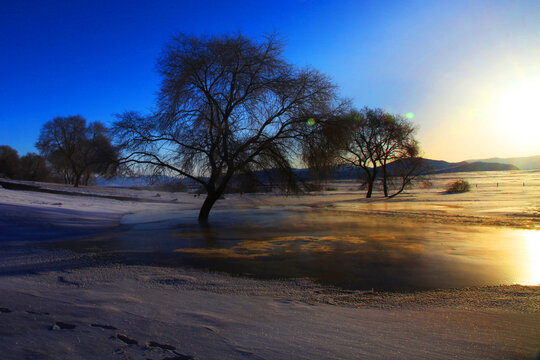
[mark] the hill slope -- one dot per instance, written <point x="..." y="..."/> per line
<point x="476" y="166"/>
<point x="349" y="172"/>
<point x="523" y="163"/>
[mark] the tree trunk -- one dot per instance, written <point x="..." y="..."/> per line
<point x="207" y="205"/>
<point x="399" y="191"/>
<point x="213" y="195"/>
<point x="77" y="180"/>
<point x="371" y="180"/>
<point x="385" y="180"/>
<point x="370" y="188"/>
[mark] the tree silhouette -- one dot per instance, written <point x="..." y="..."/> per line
<point x="397" y="145"/>
<point x="9" y="162"/>
<point x="228" y="105"/>
<point x="408" y="167"/>
<point x="362" y="145"/>
<point x="34" y="168"/>
<point x="369" y="139"/>
<point x="77" y="150"/>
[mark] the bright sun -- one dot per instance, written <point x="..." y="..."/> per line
<point x="518" y="113"/>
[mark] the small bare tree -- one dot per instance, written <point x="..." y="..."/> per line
<point x="362" y="144"/>
<point x="396" y="143"/>
<point x="228" y="105"/>
<point x="370" y="139"/>
<point x="406" y="169"/>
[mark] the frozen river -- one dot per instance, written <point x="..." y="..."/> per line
<point x="422" y="239"/>
<point x="334" y="247"/>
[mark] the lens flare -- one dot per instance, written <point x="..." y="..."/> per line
<point x="409" y="115"/>
<point x="311" y="121"/>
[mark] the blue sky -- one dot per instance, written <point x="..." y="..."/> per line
<point x="451" y="63"/>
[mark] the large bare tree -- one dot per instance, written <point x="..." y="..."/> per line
<point x="227" y="105"/>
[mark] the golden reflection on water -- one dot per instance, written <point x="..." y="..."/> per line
<point x="532" y="240"/>
<point x="344" y="244"/>
<point x="349" y="250"/>
<point x="282" y="244"/>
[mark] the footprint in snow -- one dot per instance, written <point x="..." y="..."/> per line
<point x="37" y="312"/>
<point x="63" y="280"/>
<point x="179" y="356"/>
<point x="59" y="325"/>
<point x="126" y="339"/>
<point x="107" y="327"/>
<point x="163" y="346"/>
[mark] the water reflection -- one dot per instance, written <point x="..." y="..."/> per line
<point x="342" y="249"/>
<point x="532" y="239"/>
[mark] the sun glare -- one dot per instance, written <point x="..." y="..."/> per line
<point x="518" y="113"/>
<point x="533" y="244"/>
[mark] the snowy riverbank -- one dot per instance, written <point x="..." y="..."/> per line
<point x="57" y="304"/>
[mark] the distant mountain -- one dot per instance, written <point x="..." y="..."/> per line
<point x="344" y="172"/>
<point x="475" y="166"/>
<point x="523" y="163"/>
<point x="135" y="181"/>
<point x="434" y="166"/>
<point x="440" y="166"/>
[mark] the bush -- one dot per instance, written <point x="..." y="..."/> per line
<point x="426" y="184"/>
<point x="458" y="186"/>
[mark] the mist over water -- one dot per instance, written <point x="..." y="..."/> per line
<point x="333" y="247"/>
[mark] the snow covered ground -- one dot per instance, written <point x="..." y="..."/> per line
<point x="57" y="304"/>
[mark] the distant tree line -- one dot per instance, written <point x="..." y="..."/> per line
<point x="71" y="152"/>
<point x="31" y="166"/>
